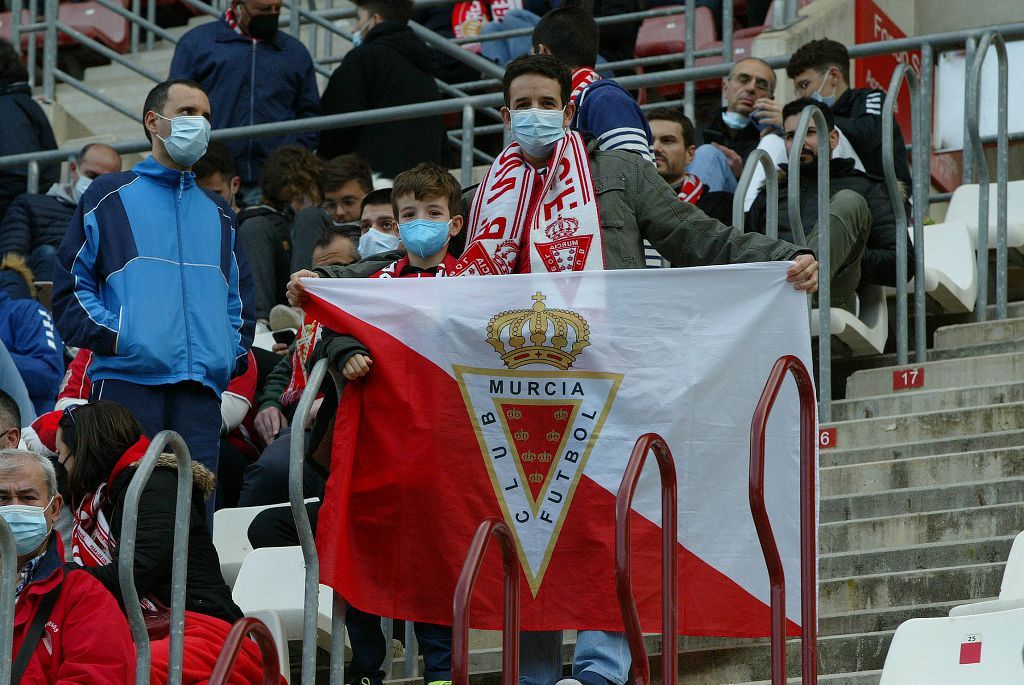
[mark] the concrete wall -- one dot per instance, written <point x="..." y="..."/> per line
<point x="940" y="16"/>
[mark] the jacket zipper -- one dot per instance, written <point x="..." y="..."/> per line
<point x="252" y="105"/>
<point x="181" y="269"/>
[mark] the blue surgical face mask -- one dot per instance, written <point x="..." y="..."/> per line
<point x="190" y="135"/>
<point x="374" y="242"/>
<point x="735" y="119"/>
<point x="537" y="130"/>
<point x="28" y="524"/>
<point x="81" y="184"/>
<point x="829" y="100"/>
<point x="423" y="237"/>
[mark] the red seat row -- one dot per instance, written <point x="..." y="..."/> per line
<point x="89" y="18"/>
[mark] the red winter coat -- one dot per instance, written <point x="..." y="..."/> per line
<point x="86" y="640"/>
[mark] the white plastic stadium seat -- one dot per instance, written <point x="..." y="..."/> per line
<point x="864" y="335"/>
<point x="963" y="207"/>
<point x="950" y="268"/>
<point x="231" y="537"/>
<point x="980" y="649"/>
<point x="276" y="627"/>
<point x="1011" y="592"/>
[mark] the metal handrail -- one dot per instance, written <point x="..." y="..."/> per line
<point x="8" y="583"/>
<point x="808" y="523"/>
<point x="179" y="563"/>
<point x="233" y="643"/>
<point x="1002" y="162"/>
<point x="669" y="559"/>
<point x="464" y="593"/>
<point x="151" y="27"/>
<point x="311" y="595"/>
<point x="809" y="114"/>
<point x="758" y="157"/>
<point x="904" y="72"/>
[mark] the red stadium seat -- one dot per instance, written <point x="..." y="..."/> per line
<point x="98" y="23"/>
<point x="667" y="35"/>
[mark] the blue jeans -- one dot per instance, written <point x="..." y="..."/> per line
<point x="712" y="168"/>
<point x="370" y="646"/>
<point x="600" y="657"/>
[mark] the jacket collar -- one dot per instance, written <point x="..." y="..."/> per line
<point x="48" y="571"/>
<point x="226" y="34"/>
<point x="155" y="171"/>
<point x="62" y="192"/>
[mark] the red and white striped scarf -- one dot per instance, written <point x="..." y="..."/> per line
<point x="563" y="232"/>
<point x="691" y="189"/>
<point x="304" y="345"/>
<point x="581" y="78"/>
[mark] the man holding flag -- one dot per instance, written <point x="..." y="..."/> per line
<point x="550" y="203"/>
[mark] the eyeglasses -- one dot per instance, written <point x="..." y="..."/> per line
<point x="759" y="83"/>
<point x="334" y="205"/>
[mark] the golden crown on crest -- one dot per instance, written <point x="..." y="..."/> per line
<point x="521" y="435"/>
<point x="538" y="336"/>
<point x="561" y="415"/>
<point x="536" y="478"/>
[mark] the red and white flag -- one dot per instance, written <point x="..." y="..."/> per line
<point x="521" y="397"/>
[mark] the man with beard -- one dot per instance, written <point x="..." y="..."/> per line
<point x="862" y="227"/>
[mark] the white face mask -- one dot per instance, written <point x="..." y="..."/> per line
<point x="190" y="135"/>
<point x="374" y="242"/>
<point x="28" y="525"/>
<point x="80" y="186"/>
<point x="735" y="119"/>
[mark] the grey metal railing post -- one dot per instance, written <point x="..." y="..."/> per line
<point x="778" y="14"/>
<point x="411" y="650"/>
<point x="134" y="28"/>
<point x="449" y="48"/>
<point x="812" y="113"/>
<point x="51" y="9"/>
<point x="33" y="61"/>
<point x="903" y="72"/>
<point x="32" y="178"/>
<point x="8" y="583"/>
<point x="151" y="18"/>
<point x="468" y="118"/>
<point x="690" y="88"/>
<point x="771" y="180"/>
<point x="294" y="17"/>
<point x="727" y="29"/>
<point x="126" y="556"/>
<point x="1002" y="156"/>
<point x="16" y="9"/>
<point x="967" y="157"/>
<point x="791" y="12"/>
<point x="922" y="174"/>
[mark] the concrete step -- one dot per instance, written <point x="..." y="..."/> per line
<point x="921" y="499"/>
<point x="846" y="456"/>
<point x="984" y="333"/>
<point x="889" y="430"/>
<point x="926" y="401"/>
<point x="914" y="557"/>
<point x="863" y="678"/>
<point x="950" y="373"/>
<point x="880" y="619"/>
<point x="976" y="350"/>
<point x="910" y="588"/>
<point x="891" y="532"/>
<point x="918" y="472"/>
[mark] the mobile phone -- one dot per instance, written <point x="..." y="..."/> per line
<point x="285" y="335"/>
<point x="710" y="136"/>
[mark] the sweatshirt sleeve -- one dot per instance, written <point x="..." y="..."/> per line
<point x="37" y="351"/>
<point x="615" y="119"/>
<point x="15" y="230"/>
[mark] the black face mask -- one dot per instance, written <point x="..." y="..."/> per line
<point x="264" y="26"/>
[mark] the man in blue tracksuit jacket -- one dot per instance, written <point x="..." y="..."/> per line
<point x="147" y="277"/>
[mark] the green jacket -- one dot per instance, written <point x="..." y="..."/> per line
<point x="635" y="204"/>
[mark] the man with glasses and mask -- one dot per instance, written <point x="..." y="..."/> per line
<point x="147" y="278"/>
<point x="67" y="626"/>
<point x="254" y="74"/>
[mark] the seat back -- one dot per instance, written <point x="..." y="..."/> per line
<point x="667" y="35"/>
<point x="963" y="207"/>
<point x="231" y="538"/>
<point x="98" y="23"/>
<point x="276" y="627"/>
<point x="1013" y="575"/>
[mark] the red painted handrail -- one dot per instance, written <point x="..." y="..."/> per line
<point x="808" y="529"/>
<point x="464" y="593"/>
<point x="669" y="559"/>
<point x="233" y="645"/>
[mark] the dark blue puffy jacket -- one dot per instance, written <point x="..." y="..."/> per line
<point x="23" y="128"/>
<point x="33" y="220"/>
<point x="27" y="331"/>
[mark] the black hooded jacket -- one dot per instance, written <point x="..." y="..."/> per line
<point x="23" y="128"/>
<point x="387" y="70"/>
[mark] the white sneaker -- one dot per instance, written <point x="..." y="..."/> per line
<point x="282" y="316"/>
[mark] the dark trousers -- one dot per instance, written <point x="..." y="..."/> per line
<point x="190" y="409"/>
<point x="266" y="479"/>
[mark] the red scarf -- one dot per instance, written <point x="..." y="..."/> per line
<point x="581" y="78"/>
<point x="691" y="189"/>
<point x="91" y="541"/>
<point x="395" y="269"/>
<point x="304" y="345"/>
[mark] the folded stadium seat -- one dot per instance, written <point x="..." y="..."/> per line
<point x="950" y="270"/>
<point x="273" y="578"/>
<point x="866" y="334"/>
<point x="980" y="649"/>
<point x="964" y="207"/>
<point x="667" y="36"/>
<point x="231" y="537"/>
<point x="273" y="623"/>
<point x="98" y="23"/>
<point x="1011" y="591"/>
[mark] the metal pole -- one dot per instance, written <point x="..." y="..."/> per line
<point x="791" y="12"/>
<point x="8" y="583"/>
<point x="771" y="180"/>
<point x="137" y="11"/>
<point x="96" y="95"/>
<point x="151" y="18"/>
<point x="467" y="146"/>
<point x="294" y="17"/>
<point x="449" y="48"/>
<point x="970" y="50"/>
<point x="922" y="159"/>
<point x="163" y="34"/>
<point x="727" y="28"/>
<point x="16" y="9"/>
<point x="411" y="650"/>
<point x="387" y="627"/>
<point x="179" y="563"/>
<point x="33" y="62"/>
<point x="49" y="48"/>
<point x="339" y="607"/>
<point x="690" y="89"/>
<point x="812" y="113"/>
<point x="903" y="72"/>
<point x="32" y="178"/>
<point x="778" y="15"/>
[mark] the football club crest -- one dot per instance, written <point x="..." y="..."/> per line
<point x="536" y="426"/>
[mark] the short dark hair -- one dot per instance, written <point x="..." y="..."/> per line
<point x="543" y="65"/>
<point x="678" y="116"/>
<point x="344" y="168"/>
<point x="291" y="172"/>
<point x="97" y="434"/>
<point x="10" y="414"/>
<point x="796" y="107"/>
<point x="157" y="98"/>
<point x="217" y="160"/>
<point x="11" y="68"/>
<point x="381" y="196"/>
<point x="333" y="233"/>
<point x="427" y="179"/>
<point x="571" y="34"/>
<point x="820" y="55"/>
<point x="389" y="10"/>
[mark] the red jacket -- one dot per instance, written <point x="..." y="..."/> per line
<point x="86" y="640"/>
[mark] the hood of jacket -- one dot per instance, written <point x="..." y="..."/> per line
<point x="400" y="38"/>
<point x="63" y="193"/>
<point x="203" y="479"/>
